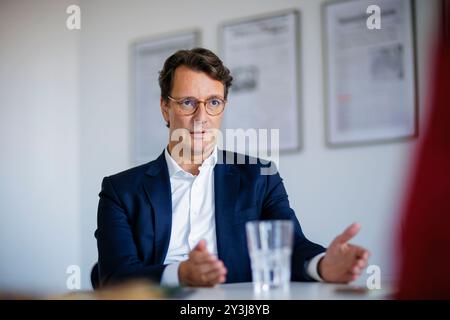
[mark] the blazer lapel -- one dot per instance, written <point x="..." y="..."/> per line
<point x="157" y="187"/>
<point x="226" y="187"/>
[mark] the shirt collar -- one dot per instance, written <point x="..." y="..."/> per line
<point x="174" y="168"/>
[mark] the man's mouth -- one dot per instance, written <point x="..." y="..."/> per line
<point x="198" y="134"/>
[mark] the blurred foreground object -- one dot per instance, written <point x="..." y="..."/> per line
<point x="425" y="235"/>
<point x="130" y="290"/>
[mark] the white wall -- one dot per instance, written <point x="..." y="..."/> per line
<point x="39" y="143"/>
<point x="59" y="140"/>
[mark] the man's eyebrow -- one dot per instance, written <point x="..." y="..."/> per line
<point x="214" y="96"/>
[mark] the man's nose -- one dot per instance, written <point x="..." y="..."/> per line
<point x="200" y="114"/>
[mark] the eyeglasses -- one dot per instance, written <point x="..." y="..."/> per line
<point x="189" y="105"/>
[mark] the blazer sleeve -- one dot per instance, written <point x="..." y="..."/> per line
<point x="117" y="254"/>
<point x="276" y="206"/>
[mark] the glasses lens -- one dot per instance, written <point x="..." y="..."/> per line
<point x="188" y="105"/>
<point x="215" y="106"/>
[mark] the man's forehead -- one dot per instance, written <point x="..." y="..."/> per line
<point x="186" y="71"/>
<point x="187" y="79"/>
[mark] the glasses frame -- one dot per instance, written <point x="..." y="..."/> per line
<point x="180" y="101"/>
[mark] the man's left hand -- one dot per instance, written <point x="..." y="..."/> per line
<point x="343" y="262"/>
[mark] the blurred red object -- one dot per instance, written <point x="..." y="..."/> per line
<point x="424" y="269"/>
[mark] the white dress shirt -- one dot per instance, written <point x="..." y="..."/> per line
<point x="193" y="216"/>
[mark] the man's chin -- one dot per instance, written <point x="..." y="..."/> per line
<point x="202" y="149"/>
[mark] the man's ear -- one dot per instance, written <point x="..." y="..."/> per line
<point x="164" y="109"/>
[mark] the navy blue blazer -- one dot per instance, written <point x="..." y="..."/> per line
<point x="135" y="219"/>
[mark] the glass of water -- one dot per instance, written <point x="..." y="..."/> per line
<point x="270" y="248"/>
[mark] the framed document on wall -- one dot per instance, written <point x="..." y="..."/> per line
<point x="148" y="56"/>
<point x="263" y="56"/>
<point x="370" y="73"/>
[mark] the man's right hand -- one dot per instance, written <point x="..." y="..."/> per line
<point x="202" y="269"/>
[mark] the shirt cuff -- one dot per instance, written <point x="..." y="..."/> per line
<point x="170" y="275"/>
<point x="311" y="268"/>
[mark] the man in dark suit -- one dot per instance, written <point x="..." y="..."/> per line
<point x="180" y="219"/>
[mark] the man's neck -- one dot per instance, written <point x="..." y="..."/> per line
<point x="192" y="162"/>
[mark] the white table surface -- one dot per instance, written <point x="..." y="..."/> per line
<point x="297" y="291"/>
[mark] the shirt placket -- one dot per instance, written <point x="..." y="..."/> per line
<point x="194" y="211"/>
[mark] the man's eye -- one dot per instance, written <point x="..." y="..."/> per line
<point x="214" y="102"/>
<point x="188" y="103"/>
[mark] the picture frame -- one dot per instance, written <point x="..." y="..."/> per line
<point x="147" y="58"/>
<point x="263" y="53"/>
<point x="370" y="79"/>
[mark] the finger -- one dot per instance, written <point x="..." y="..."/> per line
<point x="354" y="277"/>
<point x="201" y="246"/>
<point x="359" y="264"/>
<point x="208" y="267"/>
<point x="346" y="278"/>
<point x="200" y="257"/>
<point x="356" y="271"/>
<point x="215" y="281"/>
<point x="362" y="263"/>
<point x="206" y="257"/>
<point x="360" y="252"/>
<point x="214" y="277"/>
<point x="219" y="280"/>
<point x="212" y="258"/>
<point x="349" y="277"/>
<point x="365" y="254"/>
<point x="349" y="233"/>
